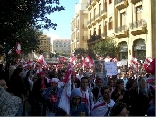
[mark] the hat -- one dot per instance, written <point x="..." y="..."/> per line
<point x="75" y="92"/>
<point x="9" y="104"/>
<point x="54" y="80"/>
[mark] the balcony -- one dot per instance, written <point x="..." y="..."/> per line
<point x="94" y="21"/>
<point x="139" y="27"/>
<point x="121" y="32"/>
<point x="103" y="14"/>
<point x="89" y="6"/>
<point x="121" y="4"/>
<point x="97" y="17"/>
<point x="135" y="1"/>
<point x="93" y="2"/>
<point x="104" y="34"/>
<point x="85" y="38"/>
<point x="93" y="39"/>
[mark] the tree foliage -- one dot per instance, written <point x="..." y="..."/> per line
<point x="17" y="16"/>
<point x="80" y="51"/>
<point x="106" y="47"/>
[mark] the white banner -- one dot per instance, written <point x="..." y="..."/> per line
<point x="111" y="68"/>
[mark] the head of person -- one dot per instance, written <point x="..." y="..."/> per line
<point x="80" y="71"/>
<point x="119" y="84"/>
<point x="41" y="75"/>
<point x="9" y="104"/>
<point x="106" y="93"/>
<point x="111" y="83"/>
<point x="3" y="84"/>
<point x="99" y="82"/>
<point x="119" y="109"/>
<point x="54" y="82"/>
<point x="124" y="75"/>
<point x="18" y="72"/>
<point x="76" y="96"/>
<point x="84" y="82"/>
<point x="142" y="83"/>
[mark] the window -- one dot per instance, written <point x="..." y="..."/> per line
<point x="105" y="27"/>
<point x="94" y="30"/>
<point x="110" y="1"/>
<point x="94" y="13"/>
<point x="99" y="9"/>
<point x="99" y="31"/>
<point x="90" y="32"/>
<point x="90" y="16"/>
<point x="122" y="19"/>
<point x="110" y="24"/>
<point x="138" y="13"/>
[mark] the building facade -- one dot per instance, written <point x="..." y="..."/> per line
<point x="79" y="28"/>
<point x="131" y="23"/>
<point x="45" y="45"/>
<point x="62" y="46"/>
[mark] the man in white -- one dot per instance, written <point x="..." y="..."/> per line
<point x="125" y="79"/>
<point x="87" y="95"/>
<point x="104" y="105"/>
<point x="80" y="74"/>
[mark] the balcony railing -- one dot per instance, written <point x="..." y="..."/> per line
<point x="138" y="27"/>
<point x="120" y="29"/>
<point x="97" y="15"/>
<point x="94" y="38"/>
<point x="137" y="24"/>
<point x="104" y="34"/>
<point x="103" y="11"/>
<point x="118" y="1"/>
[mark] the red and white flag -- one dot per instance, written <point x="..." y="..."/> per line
<point x="18" y="48"/>
<point x="65" y="97"/>
<point x="84" y="62"/>
<point x="73" y="60"/>
<point x="101" y="108"/>
<point x="90" y="61"/>
<point x="115" y="60"/>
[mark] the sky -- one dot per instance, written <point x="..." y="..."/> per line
<point x="63" y="21"/>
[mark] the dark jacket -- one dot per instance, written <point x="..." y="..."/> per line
<point x="17" y="86"/>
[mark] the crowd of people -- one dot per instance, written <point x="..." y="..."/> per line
<point x="29" y="93"/>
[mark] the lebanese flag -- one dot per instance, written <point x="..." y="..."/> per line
<point x="40" y="59"/>
<point x="18" y="48"/>
<point x="101" y="108"/>
<point x="65" y="97"/>
<point x="115" y="60"/>
<point x="73" y="60"/>
<point x="84" y="62"/>
<point x="90" y="61"/>
<point x="39" y="69"/>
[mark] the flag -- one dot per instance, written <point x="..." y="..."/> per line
<point x="101" y="108"/>
<point x="65" y="97"/>
<point x="115" y="60"/>
<point x="90" y="61"/>
<point x="41" y="59"/>
<point x="18" y="48"/>
<point x="35" y="56"/>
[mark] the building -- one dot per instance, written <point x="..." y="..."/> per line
<point x="62" y="46"/>
<point x="131" y="23"/>
<point x="79" y="28"/>
<point x="45" y="45"/>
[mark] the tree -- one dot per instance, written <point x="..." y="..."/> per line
<point x="80" y="51"/>
<point x="19" y="14"/>
<point x="106" y="47"/>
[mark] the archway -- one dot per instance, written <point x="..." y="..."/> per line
<point x="123" y="52"/>
<point x="139" y="49"/>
